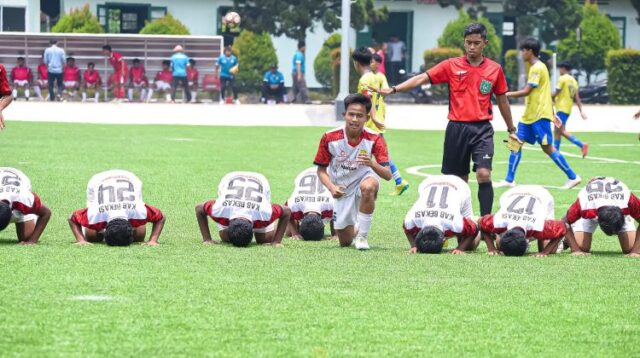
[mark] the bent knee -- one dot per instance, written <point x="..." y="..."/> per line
<point x="369" y="187"/>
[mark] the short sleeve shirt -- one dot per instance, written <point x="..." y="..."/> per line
<point x="298" y="58"/>
<point x="226" y="64"/>
<point x="273" y="78"/>
<point x="538" y="104"/>
<point x="566" y="92"/>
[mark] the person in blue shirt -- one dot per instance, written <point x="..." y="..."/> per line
<point x="54" y="58"/>
<point x="273" y="85"/>
<point x="179" y="63"/>
<point x="299" y="81"/>
<point x="227" y="67"/>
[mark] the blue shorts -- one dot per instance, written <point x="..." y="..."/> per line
<point x="564" y="117"/>
<point x="537" y="132"/>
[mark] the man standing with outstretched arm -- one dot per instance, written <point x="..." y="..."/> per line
<point x="472" y="80"/>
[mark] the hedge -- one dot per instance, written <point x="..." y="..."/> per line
<point x="166" y="25"/>
<point x="353" y="76"/>
<point x="322" y="64"/>
<point x="255" y="54"/>
<point x="624" y="76"/>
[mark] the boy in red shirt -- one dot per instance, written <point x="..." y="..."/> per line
<point x="5" y="94"/>
<point x="42" y="81"/>
<point x="71" y="78"/>
<point x="138" y="80"/>
<point x="192" y="79"/>
<point x="162" y="81"/>
<point x="92" y="80"/>
<point x="21" y="78"/>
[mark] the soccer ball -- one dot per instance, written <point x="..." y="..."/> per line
<point x="232" y="19"/>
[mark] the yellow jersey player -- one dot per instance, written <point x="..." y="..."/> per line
<point x="535" y="125"/>
<point x="565" y="94"/>
<point x="369" y="85"/>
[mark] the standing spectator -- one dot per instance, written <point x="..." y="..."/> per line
<point x="227" y="66"/>
<point x="397" y="52"/>
<point x="21" y="77"/>
<point x="299" y="82"/>
<point x="5" y="94"/>
<point x="179" y="64"/>
<point x="119" y="68"/>
<point x="54" y="58"/>
<point x="383" y="56"/>
<point x="43" y="79"/>
<point x="192" y="79"/>
<point x="273" y="85"/>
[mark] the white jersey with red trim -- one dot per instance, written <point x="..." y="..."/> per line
<point x="115" y="194"/>
<point x="526" y="207"/>
<point x="15" y="187"/>
<point x="443" y="202"/>
<point x="243" y="195"/>
<point x="604" y="191"/>
<point x="309" y="194"/>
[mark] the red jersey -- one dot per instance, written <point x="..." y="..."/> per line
<point x="91" y="77"/>
<point x="165" y="76"/>
<point x="192" y="74"/>
<point x="553" y="229"/>
<point x="5" y="89"/>
<point x="43" y="71"/>
<point x="470" y="87"/>
<point x="21" y="73"/>
<point x="138" y="74"/>
<point x="276" y="213"/>
<point x="117" y="61"/>
<point x="601" y="192"/>
<point x="70" y="74"/>
<point x="81" y="217"/>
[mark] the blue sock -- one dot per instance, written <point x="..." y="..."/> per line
<point x="556" y="143"/>
<point x="395" y="173"/>
<point x="562" y="164"/>
<point x="514" y="160"/>
<point x="576" y="141"/>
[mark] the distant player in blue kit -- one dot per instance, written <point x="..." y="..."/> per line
<point x="565" y="94"/>
<point x="535" y="124"/>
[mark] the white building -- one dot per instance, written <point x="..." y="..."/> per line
<point x="417" y="22"/>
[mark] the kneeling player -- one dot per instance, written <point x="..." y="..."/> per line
<point x="243" y="208"/>
<point x="347" y="170"/>
<point x="608" y="203"/>
<point x="443" y="210"/>
<point x="526" y="213"/>
<point x="311" y="207"/>
<point x="115" y="212"/>
<point x="20" y="205"/>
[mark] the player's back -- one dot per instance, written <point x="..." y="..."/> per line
<point x="113" y="186"/>
<point x="568" y="87"/>
<point x="14" y="177"/>
<point x="310" y="192"/>
<point x="604" y="191"/>
<point x="243" y="194"/>
<point x="527" y="199"/>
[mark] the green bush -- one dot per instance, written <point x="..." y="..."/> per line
<point x="79" y="20"/>
<point x="354" y="77"/>
<point x="434" y="56"/>
<point x="166" y="25"/>
<point x="322" y="63"/>
<point x="453" y="35"/>
<point x="255" y="54"/>
<point x="622" y="69"/>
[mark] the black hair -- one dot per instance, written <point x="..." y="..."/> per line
<point x="377" y="58"/>
<point x="119" y="232"/>
<point x="476" y="28"/>
<point x="430" y="240"/>
<point x="565" y="64"/>
<point x="312" y="228"/>
<point x="166" y="63"/>
<point x="106" y="47"/>
<point x="610" y="219"/>
<point x="531" y="44"/>
<point x="70" y="58"/>
<point x="362" y="56"/>
<point x="513" y="242"/>
<point x="20" y="58"/>
<point x="192" y="61"/>
<point x="301" y="44"/>
<point x="240" y="232"/>
<point x="357" y="98"/>
<point x="5" y="215"/>
<point x="91" y="64"/>
<point x="53" y="42"/>
<point x="136" y="60"/>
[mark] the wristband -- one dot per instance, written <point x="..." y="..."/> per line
<point x="394" y="89"/>
<point x="512" y="130"/>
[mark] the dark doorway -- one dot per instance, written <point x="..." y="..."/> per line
<point x="13" y="18"/>
<point x="126" y="18"/>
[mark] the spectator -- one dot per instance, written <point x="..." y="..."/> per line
<point x="119" y="68"/>
<point x="179" y="64"/>
<point x="91" y="80"/>
<point x="299" y="82"/>
<point x="54" y="58"/>
<point x="138" y="80"/>
<point x="397" y="52"/>
<point x="273" y="85"/>
<point x="162" y="81"/>
<point x="21" y="77"/>
<point x="382" y="53"/>
<point x="5" y="94"/>
<point x="192" y="79"/>
<point x="71" y="78"/>
<point x="227" y="66"/>
<point x="43" y="79"/>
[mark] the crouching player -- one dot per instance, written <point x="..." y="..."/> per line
<point x="443" y="210"/>
<point x="115" y="212"/>
<point x="20" y="205"/>
<point x="243" y="208"/>
<point x="311" y="207"/>
<point x="608" y="203"/>
<point x="526" y="213"/>
<point x="347" y="170"/>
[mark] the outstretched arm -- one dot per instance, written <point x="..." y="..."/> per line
<point x="413" y="82"/>
<point x="201" y="216"/>
<point x="579" y="104"/>
<point x="44" y="214"/>
<point x="293" y="228"/>
<point x="521" y="93"/>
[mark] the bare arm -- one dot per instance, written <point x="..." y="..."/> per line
<point x="336" y="192"/>
<point x="156" y="230"/>
<point x="201" y="216"/>
<point x="413" y="82"/>
<point x="293" y="228"/>
<point x="505" y="110"/>
<point x="463" y="245"/>
<point x="491" y="246"/>
<point x="383" y="171"/>
<point x="283" y="221"/>
<point x="635" y="250"/>
<point x="4" y="103"/>
<point x="550" y="248"/>
<point x="571" y="239"/>
<point x="76" y="229"/>
<point x="521" y="93"/>
<point x="44" y="214"/>
<point x="579" y="104"/>
<point x="412" y="242"/>
<point x="299" y="71"/>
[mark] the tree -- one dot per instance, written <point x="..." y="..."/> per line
<point x="452" y="35"/>
<point x="255" y="54"/>
<point x="598" y="36"/>
<point x="166" y="25"/>
<point x="322" y="65"/>
<point x="294" y="18"/>
<point x="79" y="20"/>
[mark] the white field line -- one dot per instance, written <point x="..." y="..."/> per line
<point x="91" y="298"/>
<point x="618" y="145"/>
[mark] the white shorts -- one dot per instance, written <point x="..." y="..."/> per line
<point x="162" y="86"/>
<point x="19" y="217"/>
<point x="190" y="83"/>
<point x="70" y="84"/>
<point x="590" y="225"/>
<point x="21" y="83"/>
<point x="345" y="209"/>
<point x="139" y="84"/>
<point x="264" y="230"/>
<point x="42" y="83"/>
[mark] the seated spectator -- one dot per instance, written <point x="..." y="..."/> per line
<point x="42" y="81"/>
<point x="71" y="78"/>
<point x="92" y="81"/>
<point x="162" y="81"/>
<point x="273" y="85"/>
<point x="138" y="80"/>
<point x="21" y="78"/>
<point x="192" y="79"/>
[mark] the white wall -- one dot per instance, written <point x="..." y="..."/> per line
<point x="623" y="8"/>
<point x="32" y="21"/>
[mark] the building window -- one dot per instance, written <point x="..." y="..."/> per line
<point x="13" y="18"/>
<point x="621" y="24"/>
<point x="119" y="18"/>
<point x="158" y="12"/>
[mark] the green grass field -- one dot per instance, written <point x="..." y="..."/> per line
<point x="183" y="298"/>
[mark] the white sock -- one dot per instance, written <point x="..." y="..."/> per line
<point x="143" y="93"/>
<point x="130" y="94"/>
<point x="36" y="90"/>
<point x="168" y="97"/>
<point x="14" y="93"/>
<point x="84" y="96"/>
<point x="150" y="95"/>
<point x="194" y="96"/>
<point x="364" y="223"/>
<point x="27" y="93"/>
<point x="97" y="96"/>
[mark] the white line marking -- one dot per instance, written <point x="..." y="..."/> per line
<point x="91" y="298"/>
<point x="608" y="160"/>
<point x="181" y="139"/>
<point x="619" y="145"/>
